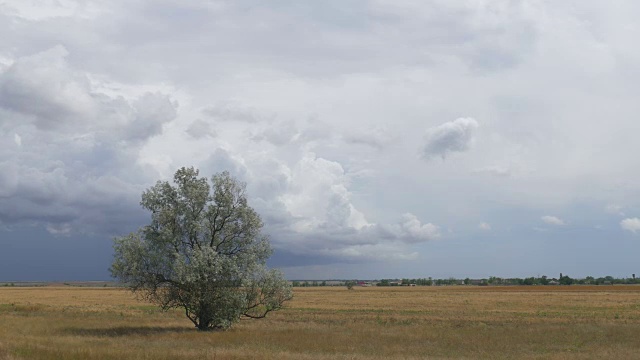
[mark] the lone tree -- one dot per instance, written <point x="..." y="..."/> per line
<point x="202" y="252"/>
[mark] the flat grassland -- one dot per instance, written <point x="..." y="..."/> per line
<point x="552" y="322"/>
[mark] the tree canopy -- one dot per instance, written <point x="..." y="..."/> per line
<point x="203" y="251"/>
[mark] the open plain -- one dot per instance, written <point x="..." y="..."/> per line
<point x="551" y="322"/>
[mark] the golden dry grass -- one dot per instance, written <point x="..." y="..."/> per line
<point x="574" y="322"/>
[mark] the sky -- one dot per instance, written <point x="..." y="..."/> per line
<point x="377" y="138"/>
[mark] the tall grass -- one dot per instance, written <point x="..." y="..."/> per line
<point x="575" y="322"/>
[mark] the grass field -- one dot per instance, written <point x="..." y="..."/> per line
<point x="575" y="322"/>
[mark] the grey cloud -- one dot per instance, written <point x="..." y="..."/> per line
<point x="8" y="177"/>
<point x="45" y="90"/>
<point x="220" y="160"/>
<point x="269" y="180"/>
<point x="345" y="245"/>
<point x="316" y="129"/>
<point x="59" y="229"/>
<point x="278" y="134"/>
<point x="43" y="86"/>
<point x="337" y="39"/>
<point x="265" y="41"/>
<point x="282" y="257"/>
<point x="495" y="170"/>
<point x="232" y="111"/>
<point x="485" y="37"/>
<point x="63" y="200"/>
<point x="74" y="168"/>
<point x="200" y="129"/>
<point x="377" y="137"/>
<point x="151" y="112"/>
<point x="452" y="136"/>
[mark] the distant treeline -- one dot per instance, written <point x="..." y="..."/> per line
<point x="493" y="280"/>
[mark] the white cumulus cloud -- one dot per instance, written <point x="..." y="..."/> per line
<point x="452" y="136"/>
<point x="484" y="226"/>
<point x="630" y="224"/>
<point x="417" y="231"/>
<point x="553" y="220"/>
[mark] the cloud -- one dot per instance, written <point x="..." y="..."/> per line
<point x="614" y="209"/>
<point x="200" y="129"/>
<point x="452" y="136"/>
<point x="44" y="90"/>
<point x="318" y="195"/>
<point x="59" y="229"/>
<point x="309" y="210"/>
<point x="232" y="111"/>
<point x="278" y="134"/>
<point x="76" y="165"/>
<point x="495" y="170"/>
<point x="99" y="121"/>
<point x="374" y="242"/>
<point x="43" y="86"/>
<point x="377" y="138"/>
<point x="221" y="160"/>
<point x="484" y="226"/>
<point x="552" y="220"/>
<point x="630" y="224"/>
<point x="415" y="231"/>
<point x="476" y="33"/>
<point x="151" y="112"/>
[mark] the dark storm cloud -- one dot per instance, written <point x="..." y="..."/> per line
<point x="74" y="168"/>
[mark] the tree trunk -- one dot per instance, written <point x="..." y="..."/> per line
<point x="203" y="325"/>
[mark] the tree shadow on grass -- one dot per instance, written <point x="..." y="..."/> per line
<point x="127" y="331"/>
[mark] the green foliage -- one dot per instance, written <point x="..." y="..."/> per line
<point x="542" y="280"/>
<point x="202" y="252"/>
<point x="565" y="280"/>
